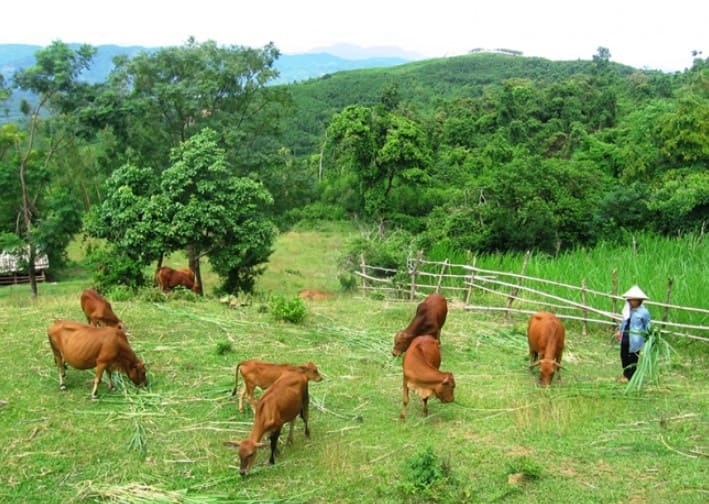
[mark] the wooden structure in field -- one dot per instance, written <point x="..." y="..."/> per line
<point x="497" y="291"/>
<point x="13" y="268"/>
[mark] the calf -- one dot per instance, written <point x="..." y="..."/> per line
<point x="281" y="403"/>
<point x="98" y="310"/>
<point x="86" y="347"/>
<point x="429" y="319"/>
<point x="545" y="335"/>
<point x="168" y="278"/>
<point x="263" y="374"/>
<point x="422" y="376"/>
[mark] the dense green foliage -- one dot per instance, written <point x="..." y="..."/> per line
<point x="483" y="152"/>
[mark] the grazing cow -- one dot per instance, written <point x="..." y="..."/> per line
<point x="314" y="295"/>
<point x="422" y="376"/>
<point x="168" y="278"/>
<point x="263" y="374"/>
<point x="429" y="319"/>
<point x="98" y="310"/>
<point x="281" y="403"/>
<point x="545" y="335"/>
<point x="85" y="347"/>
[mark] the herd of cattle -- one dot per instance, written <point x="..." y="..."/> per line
<point x="102" y="344"/>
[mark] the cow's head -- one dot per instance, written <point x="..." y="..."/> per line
<point x="444" y="391"/>
<point x="311" y="371"/>
<point x="401" y="343"/>
<point x="547" y="368"/>
<point x="136" y="372"/>
<point x="247" y="453"/>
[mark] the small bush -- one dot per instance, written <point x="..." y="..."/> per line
<point x="121" y="293"/>
<point x="289" y="310"/>
<point x="224" y="347"/>
<point x="348" y="281"/>
<point x="428" y="477"/>
<point x="527" y="468"/>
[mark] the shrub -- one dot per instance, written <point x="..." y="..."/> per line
<point x="289" y="310"/>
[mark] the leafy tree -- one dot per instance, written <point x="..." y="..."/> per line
<point x="198" y="204"/>
<point x="54" y="80"/>
<point x="380" y="151"/>
<point x="156" y="100"/>
<point x="215" y="213"/>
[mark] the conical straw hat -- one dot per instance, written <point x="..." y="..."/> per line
<point x="635" y="292"/>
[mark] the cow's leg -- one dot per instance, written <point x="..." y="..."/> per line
<point x="97" y="380"/>
<point x="304" y="412"/>
<point x="109" y="374"/>
<point x="274" y="445"/>
<point x="425" y="406"/>
<point x="402" y="416"/>
<point x="250" y="395"/>
<point x="61" y="365"/>
<point x="533" y="356"/>
<point x="289" y="441"/>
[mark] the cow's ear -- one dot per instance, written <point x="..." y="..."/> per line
<point x="536" y="363"/>
<point x="261" y="445"/>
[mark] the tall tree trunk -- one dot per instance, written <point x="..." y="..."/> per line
<point x="194" y="266"/>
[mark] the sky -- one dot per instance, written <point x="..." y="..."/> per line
<point x="652" y="34"/>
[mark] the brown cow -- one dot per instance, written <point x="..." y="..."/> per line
<point x="429" y="319"/>
<point x="422" y="376"/>
<point x="98" y="310"/>
<point x="281" y="403"/>
<point x="168" y="278"/>
<point x="545" y="335"/>
<point x="85" y="347"/>
<point x="263" y="375"/>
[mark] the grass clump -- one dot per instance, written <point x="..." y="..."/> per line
<point x="288" y="310"/>
<point x="426" y="476"/>
<point x="655" y="349"/>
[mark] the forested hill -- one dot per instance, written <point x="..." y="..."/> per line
<point x="291" y="67"/>
<point x="422" y="85"/>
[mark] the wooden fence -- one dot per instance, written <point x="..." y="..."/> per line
<point x="497" y="291"/>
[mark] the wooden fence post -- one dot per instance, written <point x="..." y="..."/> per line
<point x="414" y="272"/>
<point x="363" y="268"/>
<point x="515" y="291"/>
<point x="584" y="329"/>
<point x="440" y="276"/>
<point x="472" y="279"/>
<point x="665" y="315"/>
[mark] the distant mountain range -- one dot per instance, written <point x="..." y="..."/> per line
<point x="292" y="67"/>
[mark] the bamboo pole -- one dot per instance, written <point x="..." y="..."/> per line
<point x="614" y="292"/>
<point x="665" y="315"/>
<point x="363" y="268"/>
<point x="515" y="291"/>
<point x="584" y="311"/>
<point x="471" y="285"/>
<point x="440" y="276"/>
<point x="414" y="271"/>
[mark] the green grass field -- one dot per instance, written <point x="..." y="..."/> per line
<point x="502" y="439"/>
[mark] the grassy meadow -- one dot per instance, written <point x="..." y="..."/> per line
<point x="502" y="440"/>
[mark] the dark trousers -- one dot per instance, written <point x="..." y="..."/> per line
<point x="627" y="358"/>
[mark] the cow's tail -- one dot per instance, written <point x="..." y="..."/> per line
<point x="236" y="380"/>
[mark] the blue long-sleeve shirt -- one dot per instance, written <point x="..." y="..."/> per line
<point x="639" y="325"/>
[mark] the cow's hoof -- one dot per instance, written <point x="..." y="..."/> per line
<point x="62" y="388"/>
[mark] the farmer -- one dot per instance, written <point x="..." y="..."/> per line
<point x="633" y="330"/>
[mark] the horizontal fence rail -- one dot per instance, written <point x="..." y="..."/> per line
<point x="499" y="290"/>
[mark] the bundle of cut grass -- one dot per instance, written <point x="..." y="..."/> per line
<point x="654" y="349"/>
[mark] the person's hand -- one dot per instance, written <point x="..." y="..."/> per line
<point x="618" y="335"/>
